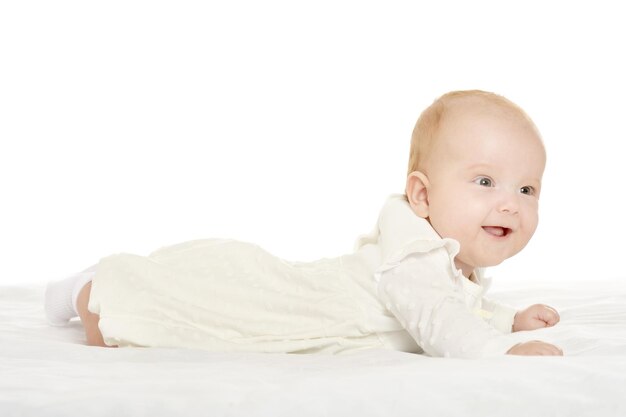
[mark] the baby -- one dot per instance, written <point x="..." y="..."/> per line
<point x="414" y="284"/>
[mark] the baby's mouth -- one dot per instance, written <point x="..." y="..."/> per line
<point x="497" y="230"/>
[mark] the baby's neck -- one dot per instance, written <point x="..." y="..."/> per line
<point x="466" y="270"/>
<point x="472" y="277"/>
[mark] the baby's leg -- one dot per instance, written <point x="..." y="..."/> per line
<point x="89" y="319"/>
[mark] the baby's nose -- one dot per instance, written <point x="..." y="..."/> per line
<point x="509" y="204"/>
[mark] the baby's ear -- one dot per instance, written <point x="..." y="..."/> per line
<point x="417" y="192"/>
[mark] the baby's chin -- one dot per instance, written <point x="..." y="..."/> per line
<point x="490" y="264"/>
<point x="482" y="263"/>
<point x="477" y="259"/>
<point x="501" y="256"/>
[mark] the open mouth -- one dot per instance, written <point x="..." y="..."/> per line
<point x="497" y="231"/>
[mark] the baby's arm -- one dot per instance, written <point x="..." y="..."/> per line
<point x="420" y="292"/>
<point x="432" y="310"/>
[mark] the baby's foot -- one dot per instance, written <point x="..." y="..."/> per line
<point x="60" y="298"/>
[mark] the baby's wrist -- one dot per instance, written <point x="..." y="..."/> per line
<point x="513" y="330"/>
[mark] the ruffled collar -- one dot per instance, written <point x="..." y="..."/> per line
<point x="399" y="232"/>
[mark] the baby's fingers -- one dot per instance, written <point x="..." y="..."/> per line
<point x="547" y="349"/>
<point x="550" y="316"/>
<point x="535" y="348"/>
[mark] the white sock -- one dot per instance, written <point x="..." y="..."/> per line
<point x="61" y="296"/>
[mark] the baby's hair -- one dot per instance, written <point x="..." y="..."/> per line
<point x="427" y="126"/>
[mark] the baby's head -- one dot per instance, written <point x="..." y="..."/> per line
<point x="475" y="173"/>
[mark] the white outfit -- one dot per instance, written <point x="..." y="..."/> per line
<point x="399" y="289"/>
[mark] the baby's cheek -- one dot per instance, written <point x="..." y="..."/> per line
<point x="529" y="223"/>
<point x="530" y="211"/>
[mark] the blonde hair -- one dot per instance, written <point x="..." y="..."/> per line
<point x="427" y="126"/>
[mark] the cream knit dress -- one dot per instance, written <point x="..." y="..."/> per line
<point x="398" y="290"/>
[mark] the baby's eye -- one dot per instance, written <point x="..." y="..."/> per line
<point x="484" y="181"/>
<point x="527" y="190"/>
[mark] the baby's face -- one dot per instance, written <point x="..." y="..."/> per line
<point x="485" y="178"/>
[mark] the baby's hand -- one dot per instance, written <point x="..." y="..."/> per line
<point x="534" y="317"/>
<point x="535" y="348"/>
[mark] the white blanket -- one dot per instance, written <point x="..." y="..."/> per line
<point x="48" y="371"/>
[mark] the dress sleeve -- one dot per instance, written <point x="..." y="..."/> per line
<point x="502" y="316"/>
<point x="422" y="295"/>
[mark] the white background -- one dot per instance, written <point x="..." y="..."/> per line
<point x="127" y="126"/>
